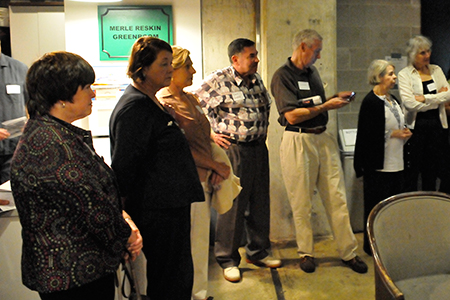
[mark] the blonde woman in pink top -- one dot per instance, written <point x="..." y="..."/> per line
<point x="186" y="110"/>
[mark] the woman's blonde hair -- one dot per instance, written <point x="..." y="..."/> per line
<point x="377" y="69"/>
<point x="180" y="55"/>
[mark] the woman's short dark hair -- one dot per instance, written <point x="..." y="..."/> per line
<point x="237" y="46"/>
<point x="143" y="54"/>
<point x="56" y="76"/>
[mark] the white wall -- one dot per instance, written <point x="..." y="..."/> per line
<point x="36" y="30"/>
<point x="82" y="37"/>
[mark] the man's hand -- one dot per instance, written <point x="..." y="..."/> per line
<point x="335" y="103"/>
<point x="221" y="139"/>
<point x="4" y="134"/>
<point x="344" y="94"/>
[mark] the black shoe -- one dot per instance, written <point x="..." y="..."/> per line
<point x="356" y="264"/>
<point x="307" y="264"/>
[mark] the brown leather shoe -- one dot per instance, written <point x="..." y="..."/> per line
<point x="307" y="264"/>
<point x="356" y="264"/>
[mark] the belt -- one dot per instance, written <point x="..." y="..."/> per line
<point x="316" y="130"/>
<point x="250" y="143"/>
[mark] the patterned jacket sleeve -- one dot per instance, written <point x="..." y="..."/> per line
<point x="69" y="209"/>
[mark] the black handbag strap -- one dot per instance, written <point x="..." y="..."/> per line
<point x="128" y="274"/>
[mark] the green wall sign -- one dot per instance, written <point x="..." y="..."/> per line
<point x="121" y="26"/>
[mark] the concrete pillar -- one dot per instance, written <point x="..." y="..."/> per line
<point x="222" y="22"/>
<point x="280" y="21"/>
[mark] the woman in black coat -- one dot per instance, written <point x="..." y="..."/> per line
<point x="155" y="170"/>
<point x="379" y="141"/>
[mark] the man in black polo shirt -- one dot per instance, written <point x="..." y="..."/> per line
<point x="309" y="154"/>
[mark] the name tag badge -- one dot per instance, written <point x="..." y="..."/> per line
<point x="238" y="96"/>
<point x="304" y="85"/>
<point x="432" y="87"/>
<point x="12" y="89"/>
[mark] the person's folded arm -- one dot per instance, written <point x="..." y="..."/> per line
<point x="442" y="86"/>
<point x="409" y="98"/>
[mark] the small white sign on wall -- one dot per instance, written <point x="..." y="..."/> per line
<point x="399" y="62"/>
<point x="347" y="139"/>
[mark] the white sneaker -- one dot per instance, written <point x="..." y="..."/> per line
<point x="232" y="274"/>
<point x="267" y="262"/>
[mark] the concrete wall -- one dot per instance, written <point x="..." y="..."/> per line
<point x="280" y="21"/>
<point x="368" y="30"/>
<point x="222" y="22"/>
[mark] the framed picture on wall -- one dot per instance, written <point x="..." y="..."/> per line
<point x="121" y="26"/>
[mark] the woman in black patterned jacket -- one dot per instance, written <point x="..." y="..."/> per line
<point x="74" y="230"/>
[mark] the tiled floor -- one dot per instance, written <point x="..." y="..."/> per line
<point x="331" y="280"/>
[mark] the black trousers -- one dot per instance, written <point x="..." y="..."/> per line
<point x="102" y="288"/>
<point x="250" y="210"/>
<point x="427" y="153"/>
<point x="167" y="247"/>
<point x="377" y="187"/>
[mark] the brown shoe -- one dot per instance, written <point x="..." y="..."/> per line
<point x="307" y="264"/>
<point x="356" y="264"/>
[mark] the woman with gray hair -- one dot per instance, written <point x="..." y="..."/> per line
<point x="424" y="92"/>
<point x="379" y="141"/>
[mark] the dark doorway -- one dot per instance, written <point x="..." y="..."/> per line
<point x="6" y="40"/>
<point x="435" y="18"/>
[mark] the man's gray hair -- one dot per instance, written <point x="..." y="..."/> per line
<point x="307" y="36"/>
<point x="417" y="44"/>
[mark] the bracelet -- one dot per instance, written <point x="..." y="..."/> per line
<point x="126" y="219"/>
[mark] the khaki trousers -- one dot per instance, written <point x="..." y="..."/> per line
<point x="309" y="161"/>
